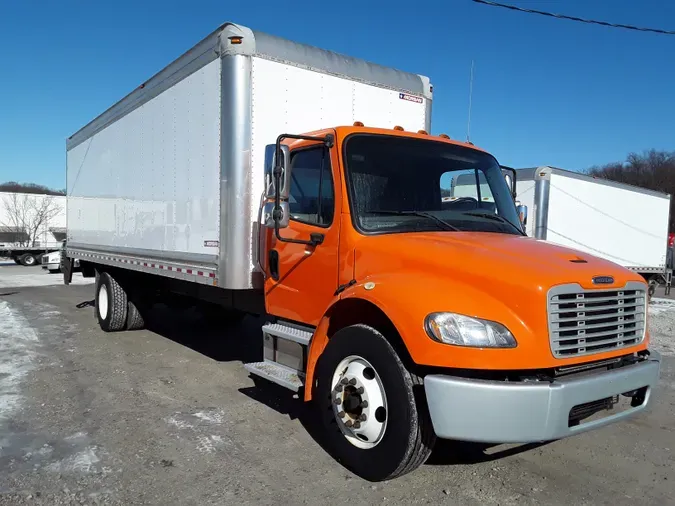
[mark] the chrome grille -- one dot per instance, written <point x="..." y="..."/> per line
<point x="583" y="322"/>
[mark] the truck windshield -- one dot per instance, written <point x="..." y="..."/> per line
<point x="400" y="184"/>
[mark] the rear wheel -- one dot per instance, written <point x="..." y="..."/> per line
<point x="17" y="260"/>
<point x="135" y="320"/>
<point x="110" y="303"/>
<point x="27" y="259"/>
<point x="373" y="409"/>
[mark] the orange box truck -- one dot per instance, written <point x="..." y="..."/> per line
<point x="242" y="176"/>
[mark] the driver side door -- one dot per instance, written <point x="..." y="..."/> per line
<point x="302" y="279"/>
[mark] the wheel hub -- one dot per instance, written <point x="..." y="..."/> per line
<point x="359" y="402"/>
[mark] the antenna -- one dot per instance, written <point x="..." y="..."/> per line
<point x="468" y="125"/>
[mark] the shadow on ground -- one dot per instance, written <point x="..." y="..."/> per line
<point x="224" y="341"/>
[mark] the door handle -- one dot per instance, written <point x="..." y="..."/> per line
<point x="274" y="264"/>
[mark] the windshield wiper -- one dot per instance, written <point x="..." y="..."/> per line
<point x="443" y="224"/>
<point x="495" y="217"/>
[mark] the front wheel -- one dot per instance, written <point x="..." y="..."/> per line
<point x="373" y="409"/>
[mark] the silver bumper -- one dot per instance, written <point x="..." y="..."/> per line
<point x="501" y="412"/>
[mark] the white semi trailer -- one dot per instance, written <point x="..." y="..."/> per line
<point x="622" y="223"/>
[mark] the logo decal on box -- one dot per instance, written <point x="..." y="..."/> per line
<point x="410" y="98"/>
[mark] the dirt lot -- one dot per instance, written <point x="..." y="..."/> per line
<point x="170" y="416"/>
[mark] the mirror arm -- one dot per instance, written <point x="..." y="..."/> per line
<point x="315" y="238"/>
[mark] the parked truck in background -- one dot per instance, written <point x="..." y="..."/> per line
<point x="31" y="225"/>
<point x="624" y="224"/>
<point x="403" y="317"/>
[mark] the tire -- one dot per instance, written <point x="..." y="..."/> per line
<point x="17" y="260"/>
<point x="401" y="435"/>
<point x="135" y="320"/>
<point x="27" y="260"/>
<point x="110" y="304"/>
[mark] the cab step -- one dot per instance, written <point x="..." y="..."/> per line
<point x="276" y="373"/>
<point x="284" y="354"/>
<point x="288" y="332"/>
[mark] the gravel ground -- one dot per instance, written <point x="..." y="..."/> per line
<point x="170" y="416"/>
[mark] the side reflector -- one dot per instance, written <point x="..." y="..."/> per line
<point x="236" y="40"/>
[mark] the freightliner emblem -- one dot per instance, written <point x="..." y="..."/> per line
<point x="603" y="280"/>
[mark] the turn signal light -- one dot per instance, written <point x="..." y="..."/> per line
<point x="236" y="39"/>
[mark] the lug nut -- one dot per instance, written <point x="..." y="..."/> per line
<point x="341" y="414"/>
<point x="344" y="381"/>
<point x="337" y="400"/>
<point x="338" y="388"/>
<point x="348" y="423"/>
<point x="363" y="417"/>
<point x="364" y="404"/>
<point x="357" y="425"/>
<point x="359" y="390"/>
<point x="352" y="381"/>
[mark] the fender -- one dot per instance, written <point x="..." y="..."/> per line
<point x="320" y="337"/>
<point x="407" y="297"/>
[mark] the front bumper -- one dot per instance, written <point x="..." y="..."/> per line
<point x="525" y="412"/>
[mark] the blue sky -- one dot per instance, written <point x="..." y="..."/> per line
<point x="546" y="91"/>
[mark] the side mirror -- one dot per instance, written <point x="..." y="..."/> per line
<point x="270" y="162"/>
<point x="268" y="216"/>
<point x="510" y="178"/>
<point x="522" y="213"/>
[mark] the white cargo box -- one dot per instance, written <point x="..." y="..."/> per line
<point x="169" y="179"/>
<point x="621" y="223"/>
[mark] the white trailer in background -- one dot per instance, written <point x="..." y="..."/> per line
<point x="624" y="224"/>
<point x="31" y="225"/>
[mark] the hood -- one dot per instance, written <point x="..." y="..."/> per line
<point x="490" y="258"/>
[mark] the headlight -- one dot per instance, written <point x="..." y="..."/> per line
<point x="460" y="330"/>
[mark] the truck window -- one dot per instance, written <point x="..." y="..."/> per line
<point x="311" y="198"/>
<point x="399" y="184"/>
<point x="458" y="186"/>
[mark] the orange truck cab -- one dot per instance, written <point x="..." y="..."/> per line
<point x="409" y="310"/>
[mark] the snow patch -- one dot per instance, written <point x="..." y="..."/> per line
<point x="208" y="444"/>
<point x="180" y="424"/>
<point x="84" y="461"/>
<point x="17" y="356"/>
<point x="661" y="322"/>
<point x="216" y="417"/>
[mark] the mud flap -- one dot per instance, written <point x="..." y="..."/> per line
<point x="67" y="269"/>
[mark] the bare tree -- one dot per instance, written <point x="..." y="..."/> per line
<point x="28" y="216"/>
